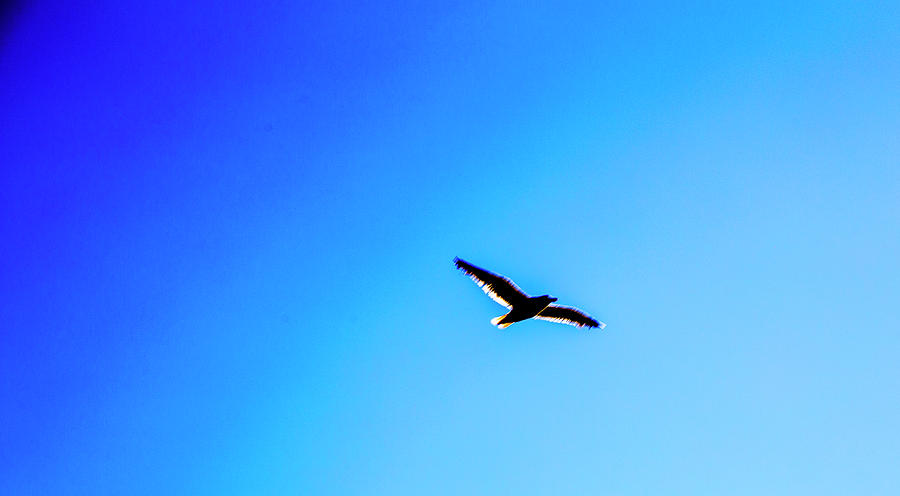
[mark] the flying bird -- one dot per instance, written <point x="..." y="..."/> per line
<point x="521" y="306"/>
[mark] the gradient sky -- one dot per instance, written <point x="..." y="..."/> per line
<point x="227" y="238"/>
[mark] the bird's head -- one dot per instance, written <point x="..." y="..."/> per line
<point x="549" y="298"/>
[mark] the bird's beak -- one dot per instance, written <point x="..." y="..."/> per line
<point x="553" y="299"/>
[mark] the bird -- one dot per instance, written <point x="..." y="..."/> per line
<point x="521" y="306"/>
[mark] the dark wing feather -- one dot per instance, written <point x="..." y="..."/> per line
<point x="499" y="288"/>
<point x="568" y="315"/>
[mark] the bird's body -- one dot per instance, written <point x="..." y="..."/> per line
<point x="521" y="306"/>
<point x="528" y="308"/>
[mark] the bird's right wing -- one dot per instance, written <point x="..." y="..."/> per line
<point x="568" y="315"/>
<point x="499" y="288"/>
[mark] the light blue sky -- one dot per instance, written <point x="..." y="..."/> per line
<point x="228" y="239"/>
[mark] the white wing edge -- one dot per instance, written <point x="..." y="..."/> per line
<point x="490" y="292"/>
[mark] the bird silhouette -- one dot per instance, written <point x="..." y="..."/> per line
<point x="521" y="306"/>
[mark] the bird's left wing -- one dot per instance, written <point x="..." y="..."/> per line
<point x="499" y="288"/>
<point x="568" y="315"/>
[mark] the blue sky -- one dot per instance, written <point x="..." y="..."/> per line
<point x="228" y="234"/>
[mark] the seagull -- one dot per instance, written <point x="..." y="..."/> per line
<point x="521" y="306"/>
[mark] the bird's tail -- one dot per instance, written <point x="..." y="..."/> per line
<point x="496" y="321"/>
